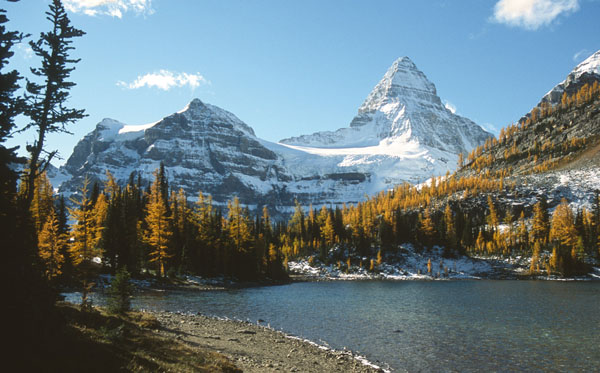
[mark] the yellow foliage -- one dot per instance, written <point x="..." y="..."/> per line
<point x="50" y="244"/>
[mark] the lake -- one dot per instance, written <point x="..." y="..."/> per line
<point x="423" y="325"/>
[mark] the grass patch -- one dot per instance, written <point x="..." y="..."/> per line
<point x="96" y="341"/>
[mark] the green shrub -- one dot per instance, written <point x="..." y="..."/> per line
<point x="119" y="293"/>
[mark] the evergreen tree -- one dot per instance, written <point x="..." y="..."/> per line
<point x="120" y="292"/>
<point x="183" y="234"/>
<point x="46" y="101"/>
<point x="450" y="233"/>
<point x="10" y="107"/>
<point x="63" y="228"/>
<point x="426" y="228"/>
<point x="296" y="225"/>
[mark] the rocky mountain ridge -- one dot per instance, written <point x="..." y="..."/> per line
<point x="563" y="132"/>
<point x="587" y="72"/>
<point x="402" y="133"/>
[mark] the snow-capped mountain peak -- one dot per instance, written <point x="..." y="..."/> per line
<point x="590" y="65"/>
<point x="403" y="108"/>
<point x="587" y="72"/>
<point x="402" y="81"/>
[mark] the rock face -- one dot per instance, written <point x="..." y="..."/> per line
<point x="402" y="133"/>
<point x="203" y="148"/>
<point x="586" y="72"/>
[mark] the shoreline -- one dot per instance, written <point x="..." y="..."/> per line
<point x="258" y="348"/>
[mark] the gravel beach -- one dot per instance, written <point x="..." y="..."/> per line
<point x="255" y="348"/>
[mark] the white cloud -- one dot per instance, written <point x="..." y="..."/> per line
<point x="450" y="106"/>
<point x="580" y="56"/>
<point x="165" y="80"/>
<point x="113" y="8"/>
<point x="532" y="14"/>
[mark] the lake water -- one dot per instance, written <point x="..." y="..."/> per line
<point x="424" y="325"/>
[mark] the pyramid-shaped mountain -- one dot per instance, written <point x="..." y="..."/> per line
<point x="403" y="110"/>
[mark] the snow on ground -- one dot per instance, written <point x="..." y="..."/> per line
<point x="408" y="265"/>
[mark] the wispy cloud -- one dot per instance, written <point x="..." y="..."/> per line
<point x="24" y="50"/>
<point x="580" y="56"/>
<point x="165" y="80"/>
<point x="450" y="106"/>
<point x="532" y="14"/>
<point x="113" y="8"/>
<point x="490" y="128"/>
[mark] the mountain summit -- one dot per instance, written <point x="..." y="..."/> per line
<point x="586" y="72"/>
<point x="402" y="109"/>
<point x="402" y="81"/>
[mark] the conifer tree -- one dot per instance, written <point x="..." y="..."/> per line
<point x="534" y="267"/>
<point x="492" y="218"/>
<point x="238" y="227"/>
<point x="523" y="232"/>
<point x="50" y="244"/>
<point x="46" y="102"/>
<point x="42" y="205"/>
<point x="182" y="230"/>
<point x="540" y="224"/>
<point x="426" y="228"/>
<point x="563" y="234"/>
<point x="451" y="236"/>
<point x="86" y="233"/>
<point x="296" y="224"/>
<point x="327" y="230"/>
<point x="158" y="231"/>
<point x="208" y="257"/>
<point x="10" y="107"/>
<point x="120" y="292"/>
<point x="64" y="229"/>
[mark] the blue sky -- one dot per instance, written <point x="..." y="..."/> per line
<point x="295" y="67"/>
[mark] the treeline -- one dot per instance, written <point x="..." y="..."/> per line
<point x="152" y="229"/>
<point x="157" y="229"/>
<point x="445" y="213"/>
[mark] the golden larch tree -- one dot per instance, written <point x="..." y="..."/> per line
<point x="158" y="231"/>
<point x="238" y="226"/>
<point x="85" y="233"/>
<point x="42" y="204"/>
<point x="562" y="230"/>
<point x="426" y="228"/>
<point x="540" y="226"/>
<point x="50" y="244"/>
